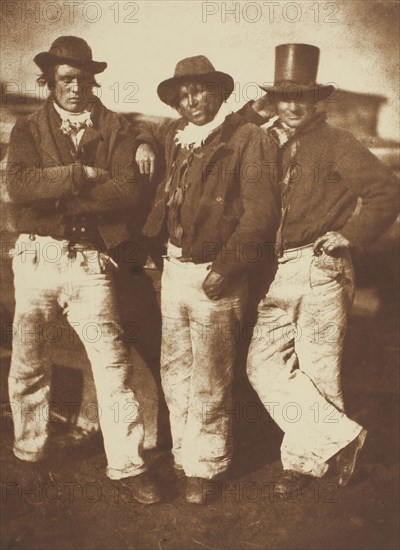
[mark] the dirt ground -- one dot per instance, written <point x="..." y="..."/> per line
<point x="76" y="506"/>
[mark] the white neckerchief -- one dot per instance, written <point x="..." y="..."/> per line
<point x="193" y="136"/>
<point x="69" y="120"/>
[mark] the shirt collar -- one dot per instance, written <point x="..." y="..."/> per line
<point x="83" y="116"/>
<point x="73" y="122"/>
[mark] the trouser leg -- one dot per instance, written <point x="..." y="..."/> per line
<point x="92" y="311"/>
<point x="176" y="356"/>
<point x="282" y="374"/>
<point x="29" y="377"/>
<point x="197" y="367"/>
<point x="322" y="321"/>
<point x="215" y="333"/>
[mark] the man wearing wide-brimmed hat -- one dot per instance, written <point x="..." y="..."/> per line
<point x="218" y="204"/>
<point x="295" y="366"/>
<point x="72" y="185"/>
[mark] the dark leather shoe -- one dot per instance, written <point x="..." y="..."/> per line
<point x="195" y="493"/>
<point x="142" y="488"/>
<point x="291" y="484"/>
<point x="346" y="458"/>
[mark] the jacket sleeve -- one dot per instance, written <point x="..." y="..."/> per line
<point x="261" y="207"/>
<point x="155" y="135"/>
<point x="27" y="182"/>
<point x="368" y="178"/>
<point x="250" y="114"/>
<point x="123" y="188"/>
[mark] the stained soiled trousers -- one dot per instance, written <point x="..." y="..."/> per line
<point x="198" y="352"/>
<point x="50" y="276"/>
<point x="295" y="357"/>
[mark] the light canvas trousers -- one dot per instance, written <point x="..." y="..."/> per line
<point x="295" y="357"/>
<point x="198" y="352"/>
<point x="49" y="276"/>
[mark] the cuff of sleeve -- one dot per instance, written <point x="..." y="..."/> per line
<point x="147" y="140"/>
<point x="351" y="236"/>
<point x="228" y="270"/>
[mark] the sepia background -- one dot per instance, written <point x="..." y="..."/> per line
<point x="141" y="42"/>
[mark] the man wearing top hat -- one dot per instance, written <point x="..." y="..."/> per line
<point x="294" y="359"/>
<point x="217" y="203"/>
<point x="72" y="184"/>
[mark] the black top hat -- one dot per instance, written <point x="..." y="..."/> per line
<point x="196" y="68"/>
<point x="69" y="50"/>
<point x="296" y="67"/>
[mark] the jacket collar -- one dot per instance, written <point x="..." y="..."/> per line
<point x="224" y="134"/>
<point x="232" y="123"/>
<point x="220" y="139"/>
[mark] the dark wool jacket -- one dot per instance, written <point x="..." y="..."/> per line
<point x="46" y="183"/>
<point x="333" y="170"/>
<point x="238" y="210"/>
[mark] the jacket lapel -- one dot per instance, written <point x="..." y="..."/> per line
<point x="88" y="144"/>
<point x="60" y="145"/>
<point x="231" y="124"/>
<point x="94" y="147"/>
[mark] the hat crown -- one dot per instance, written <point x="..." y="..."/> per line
<point x="69" y="50"/>
<point x="71" y="47"/>
<point x="296" y="63"/>
<point x="192" y="66"/>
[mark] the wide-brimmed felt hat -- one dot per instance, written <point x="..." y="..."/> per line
<point x="70" y="50"/>
<point x="198" y="68"/>
<point x="296" y="68"/>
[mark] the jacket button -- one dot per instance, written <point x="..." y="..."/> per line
<point x="218" y="199"/>
<point x="74" y="228"/>
<point x="83" y="229"/>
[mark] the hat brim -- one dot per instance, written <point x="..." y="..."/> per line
<point x="45" y="60"/>
<point x="167" y="90"/>
<point x="291" y="91"/>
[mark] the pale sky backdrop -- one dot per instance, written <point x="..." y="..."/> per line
<point x="143" y="40"/>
